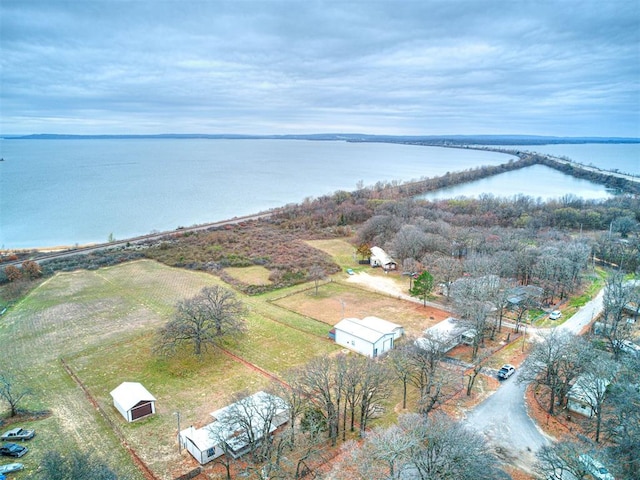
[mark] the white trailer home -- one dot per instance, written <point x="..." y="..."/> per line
<point x="228" y="434"/>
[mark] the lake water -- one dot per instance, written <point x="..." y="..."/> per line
<point x="537" y="181"/>
<point x="624" y="157"/>
<point x="63" y="192"/>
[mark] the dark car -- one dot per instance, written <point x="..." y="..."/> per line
<point x="13" y="450"/>
<point x="17" y="434"/>
<point x="506" y="371"/>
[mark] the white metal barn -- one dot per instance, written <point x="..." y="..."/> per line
<point x="370" y="336"/>
<point x="380" y="258"/>
<point x="133" y="401"/>
<point x="227" y="435"/>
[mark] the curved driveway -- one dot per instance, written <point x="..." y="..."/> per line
<point x="503" y="420"/>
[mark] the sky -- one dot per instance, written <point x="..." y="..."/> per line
<point x="397" y="67"/>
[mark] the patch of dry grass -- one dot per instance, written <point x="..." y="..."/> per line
<point x="255" y="275"/>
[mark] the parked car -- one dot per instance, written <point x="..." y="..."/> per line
<point x="595" y="468"/>
<point x="11" y="467"/>
<point x="350" y="271"/>
<point x="628" y="346"/>
<point x="506" y="371"/>
<point x="555" y="315"/>
<point x="13" y="450"/>
<point x="17" y="434"/>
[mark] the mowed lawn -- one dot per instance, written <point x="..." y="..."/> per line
<point x="103" y="324"/>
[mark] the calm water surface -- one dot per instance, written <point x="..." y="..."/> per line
<point x="62" y="192"/>
<point x="537" y="181"/>
<point x="624" y="157"/>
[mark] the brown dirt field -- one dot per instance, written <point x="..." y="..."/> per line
<point x="337" y="300"/>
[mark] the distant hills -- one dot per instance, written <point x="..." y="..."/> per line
<point x="442" y="140"/>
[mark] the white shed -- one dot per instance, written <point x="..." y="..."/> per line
<point x="202" y="443"/>
<point x="133" y="401"/>
<point x="370" y="336"/>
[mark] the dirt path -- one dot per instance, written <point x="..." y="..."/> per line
<point x="390" y="287"/>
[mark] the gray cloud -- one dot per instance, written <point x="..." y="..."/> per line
<point x="395" y="67"/>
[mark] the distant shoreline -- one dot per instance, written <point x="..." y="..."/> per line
<point x="432" y="140"/>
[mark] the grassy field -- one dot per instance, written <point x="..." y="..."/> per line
<point x="254" y="275"/>
<point x="102" y="323"/>
<point x="340" y="250"/>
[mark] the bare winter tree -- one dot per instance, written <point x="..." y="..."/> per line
<point x="75" y="464"/>
<point x="318" y="383"/>
<point x="617" y="295"/>
<point x="427" y="374"/>
<point x="401" y="366"/>
<point x="476" y="370"/>
<point x="421" y="448"/>
<point x="560" y="460"/>
<point x="445" y="269"/>
<point x="594" y="383"/>
<point x="316" y="274"/>
<point x="375" y="382"/>
<point x="409" y="242"/>
<point x="12" y="392"/>
<point x="555" y="362"/>
<point x="202" y="320"/>
<point x="621" y="424"/>
<point x="424" y="357"/>
<point x="471" y="298"/>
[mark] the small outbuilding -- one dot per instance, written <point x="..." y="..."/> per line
<point x="133" y="401"/>
<point x="371" y="336"/>
<point x="202" y="443"/>
<point x="380" y="258"/>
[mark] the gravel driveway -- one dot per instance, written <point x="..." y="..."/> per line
<point x="503" y="420"/>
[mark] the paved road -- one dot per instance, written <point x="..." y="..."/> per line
<point x="503" y="420"/>
<point x="585" y="315"/>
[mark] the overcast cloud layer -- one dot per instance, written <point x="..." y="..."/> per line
<point x="566" y="68"/>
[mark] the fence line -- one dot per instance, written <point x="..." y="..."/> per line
<point x="148" y="474"/>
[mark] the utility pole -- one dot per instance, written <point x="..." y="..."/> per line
<point x="177" y="414"/>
